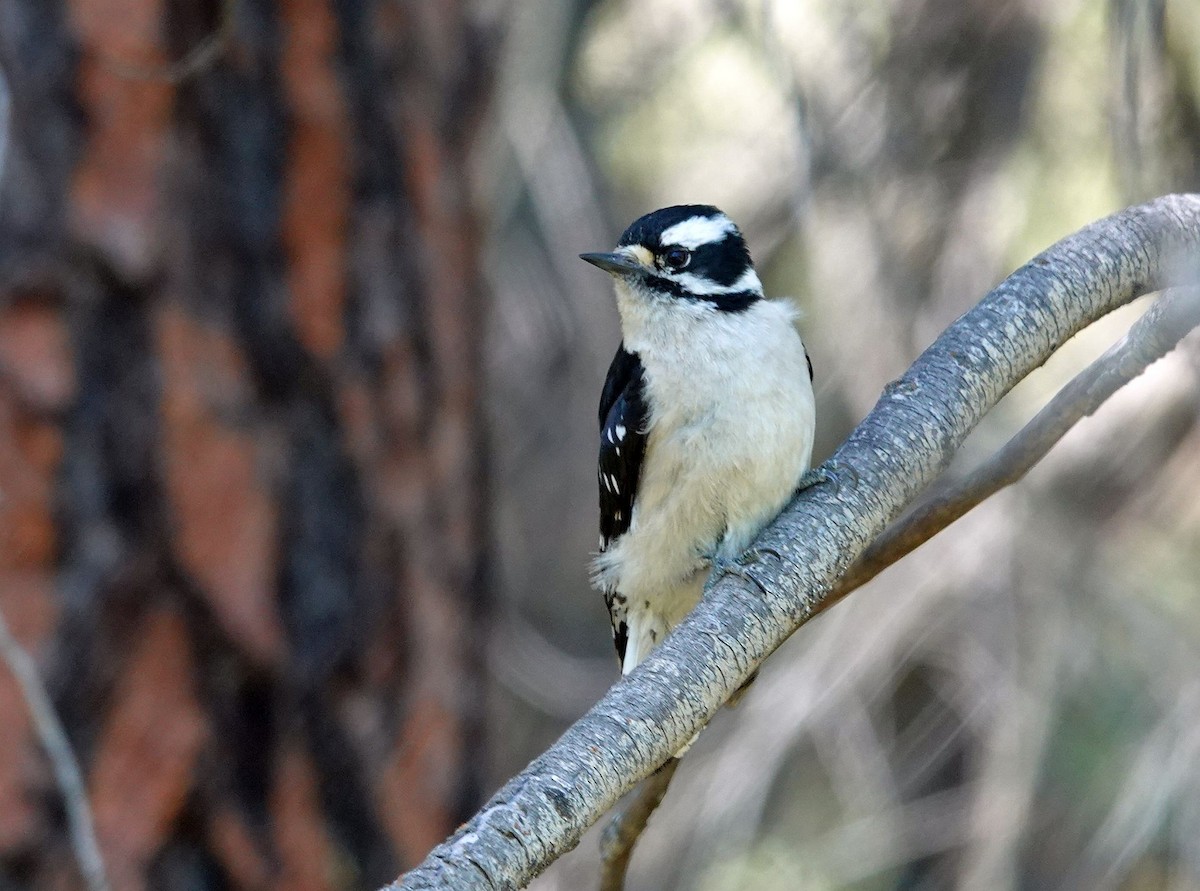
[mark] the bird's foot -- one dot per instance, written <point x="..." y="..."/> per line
<point x="719" y="564"/>
<point x="832" y="473"/>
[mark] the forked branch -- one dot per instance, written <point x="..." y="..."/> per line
<point x="1153" y="336"/>
<point x="795" y="565"/>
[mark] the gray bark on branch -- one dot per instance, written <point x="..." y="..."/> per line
<point x="899" y="448"/>
<point x="1154" y="335"/>
<point x="628" y="823"/>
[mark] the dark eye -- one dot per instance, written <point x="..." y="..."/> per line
<point x="677" y="257"/>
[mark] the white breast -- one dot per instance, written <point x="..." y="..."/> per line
<point x="733" y="416"/>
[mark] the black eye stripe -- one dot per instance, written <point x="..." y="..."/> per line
<point x="735" y="302"/>
<point x="719" y="264"/>
<point x="723" y="262"/>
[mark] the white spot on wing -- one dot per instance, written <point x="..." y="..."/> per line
<point x="695" y="231"/>
<point x="620" y="431"/>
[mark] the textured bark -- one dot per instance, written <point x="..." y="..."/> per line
<point x="243" y="508"/>
<point x="1154" y="335"/>
<point x="907" y="439"/>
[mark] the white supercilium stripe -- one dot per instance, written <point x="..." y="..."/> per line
<point x="695" y="231"/>
<point x="701" y="286"/>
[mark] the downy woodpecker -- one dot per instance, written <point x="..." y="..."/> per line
<point x="706" y="418"/>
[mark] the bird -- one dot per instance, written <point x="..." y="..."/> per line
<point x="707" y="418"/>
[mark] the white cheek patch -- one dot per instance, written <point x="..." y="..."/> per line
<point x="700" y="286"/>
<point x="695" y="231"/>
<point x="748" y="281"/>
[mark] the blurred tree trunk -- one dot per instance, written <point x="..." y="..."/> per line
<point x="243" y="496"/>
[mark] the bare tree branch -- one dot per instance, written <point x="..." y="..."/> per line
<point x="5" y="121"/>
<point x="1153" y="336"/>
<point x="62" y="760"/>
<point x="627" y="825"/>
<point x="902" y="445"/>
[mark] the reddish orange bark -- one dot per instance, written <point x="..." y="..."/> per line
<point x="154" y="731"/>
<point x="218" y="492"/>
<point x="243" y="518"/>
<point x="317" y="192"/>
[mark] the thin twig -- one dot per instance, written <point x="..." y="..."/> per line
<point x="627" y="825"/>
<point x="1149" y="339"/>
<point x="37" y="700"/>
<point x="5" y="120"/>
<point x="62" y="759"/>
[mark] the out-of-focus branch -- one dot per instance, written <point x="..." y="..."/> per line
<point x="41" y="710"/>
<point x="5" y="121"/>
<point x="1153" y="336"/>
<point x="62" y="760"/>
<point x="780" y="583"/>
<point x="627" y="825"/>
<point x="1138" y="96"/>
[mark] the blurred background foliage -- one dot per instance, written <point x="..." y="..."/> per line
<point x="344" y="559"/>
<point x="1014" y="706"/>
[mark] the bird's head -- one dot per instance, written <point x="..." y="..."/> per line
<point x="691" y="254"/>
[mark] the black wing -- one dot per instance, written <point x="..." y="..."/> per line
<point x="622" y="443"/>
